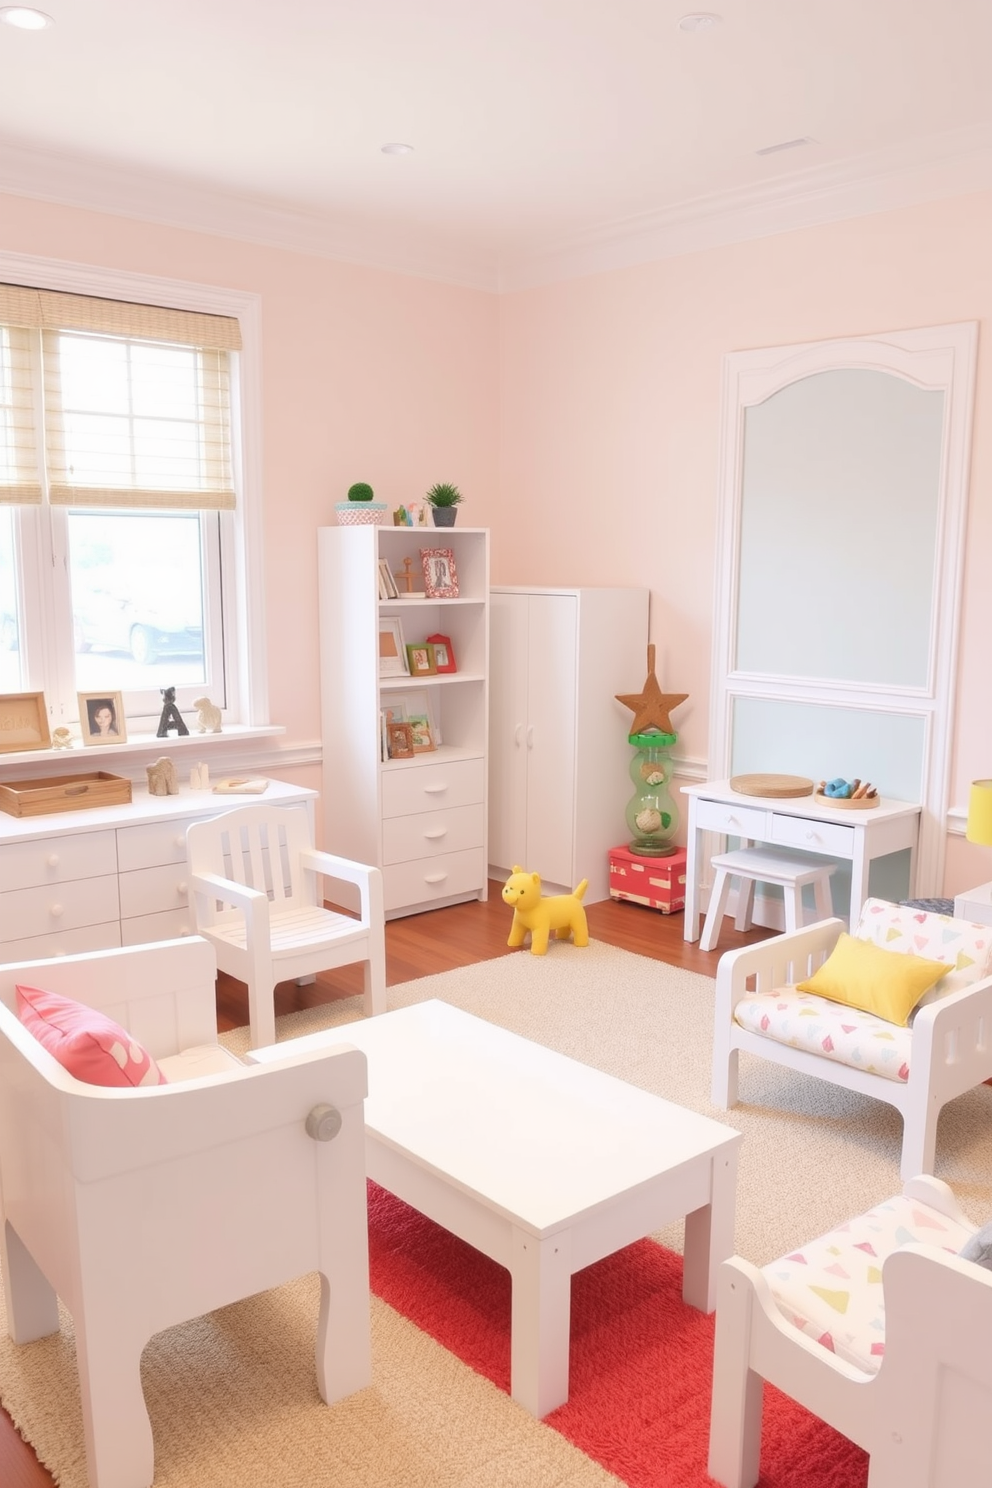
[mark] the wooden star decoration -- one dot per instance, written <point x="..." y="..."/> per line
<point x="652" y="707"/>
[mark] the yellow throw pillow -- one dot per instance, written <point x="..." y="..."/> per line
<point x="864" y="975"/>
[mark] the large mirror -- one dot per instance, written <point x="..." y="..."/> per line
<point x="843" y="496"/>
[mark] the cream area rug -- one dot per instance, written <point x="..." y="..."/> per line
<point x="232" y="1396"/>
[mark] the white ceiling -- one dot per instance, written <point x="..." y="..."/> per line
<point x="552" y="137"/>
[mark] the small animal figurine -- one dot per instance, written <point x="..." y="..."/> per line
<point x="540" y="914"/>
<point x="207" y="716"/>
<point x="171" y="716"/>
<point x="162" y="778"/>
<point x="61" y="738"/>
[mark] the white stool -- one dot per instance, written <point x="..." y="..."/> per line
<point x="791" y="871"/>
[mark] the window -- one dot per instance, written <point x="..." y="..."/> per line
<point x="118" y="506"/>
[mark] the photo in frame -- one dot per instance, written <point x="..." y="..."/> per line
<point x="444" y="656"/>
<point x="421" y="658"/>
<point x="440" y="573"/>
<point x="23" y="722"/>
<point x="415" y="709"/>
<point x="392" y="648"/>
<point x="101" y="717"/>
<point x="399" y="741"/>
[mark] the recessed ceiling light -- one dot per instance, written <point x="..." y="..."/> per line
<point x="24" y="18"/>
<point x="700" y="20"/>
<point x="397" y="149"/>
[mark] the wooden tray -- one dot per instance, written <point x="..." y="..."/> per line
<point x="780" y="786"/>
<point x="63" y="793"/>
<point x="844" y="803"/>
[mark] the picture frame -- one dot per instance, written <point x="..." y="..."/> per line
<point x="399" y="741"/>
<point x="23" y="722"/>
<point x="393" y="660"/>
<point x="97" y="727"/>
<point x="420" y="655"/>
<point x="444" y="655"/>
<point x="415" y="709"/>
<point x="440" y="573"/>
<point x="387" y="583"/>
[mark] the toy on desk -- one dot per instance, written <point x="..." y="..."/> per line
<point x="540" y="914"/>
<point x="848" y="790"/>
<point x="162" y="778"/>
<point x="61" y="738"/>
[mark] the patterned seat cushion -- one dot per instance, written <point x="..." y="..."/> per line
<point x="863" y="1040"/>
<point x="831" y="1289"/>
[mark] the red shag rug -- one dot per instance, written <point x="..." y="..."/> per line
<point x="640" y="1362"/>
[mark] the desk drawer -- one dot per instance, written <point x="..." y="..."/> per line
<point x="55" y="860"/>
<point x="406" y="884"/>
<point x="57" y="908"/>
<point x="429" y="833"/>
<point x="734" y="820"/>
<point x="813" y="836"/>
<point x="104" y="937"/>
<point x="149" y="890"/>
<point x="152" y="845"/>
<point x="170" y="924"/>
<point x="428" y="787"/>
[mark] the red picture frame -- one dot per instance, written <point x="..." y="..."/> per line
<point x="444" y="656"/>
<point x="440" y="573"/>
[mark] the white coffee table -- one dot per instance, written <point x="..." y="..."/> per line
<point x="540" y="1162"/>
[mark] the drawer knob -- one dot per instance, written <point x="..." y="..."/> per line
<point x="180" y="840"/>
<point x="182" y="888"/>
<point x="53" y="860"/>
<point x="56" y="911"/>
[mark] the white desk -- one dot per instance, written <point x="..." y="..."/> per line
<point x="798" y="822"/>
<point x="975" y="905"/>
<point x="540" y="1162"/>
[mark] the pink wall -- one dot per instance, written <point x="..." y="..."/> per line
<point x="610" y="405"/>
<point x="366" y="376"/>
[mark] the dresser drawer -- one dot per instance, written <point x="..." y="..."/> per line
<point x="57" y="908"/>
<point x="406" y="884"/>
<point x="429" y="833"/>
<point x="153" y="845"/>
<point x="64" y="943"/>
<point x="734" y="820"/>
<point x="170" y="924"/>
<point x="814" y="836"/>
<point x="426" y="787"/>
<point x="54" y="860"/>
<point x="149" y="890"/>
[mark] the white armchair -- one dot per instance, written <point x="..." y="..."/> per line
<point x="143" y="1207"/>
<point x="255" y="887"/>
<point x="944" y="1051"/>
<point x="879" y="1328"/>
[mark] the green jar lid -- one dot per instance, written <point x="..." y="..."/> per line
<point x="656" y="740"/>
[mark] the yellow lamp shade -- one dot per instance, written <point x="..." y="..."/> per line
<point x="979" y="828"/>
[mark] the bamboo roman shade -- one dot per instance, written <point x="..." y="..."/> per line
<point x="134" y="400"/>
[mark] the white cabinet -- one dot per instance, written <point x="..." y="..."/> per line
<point x="421" y="820"/>
<point x="559" y="756"/>
<point x="90" y="880"/>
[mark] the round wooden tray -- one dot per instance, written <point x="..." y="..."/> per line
<point x="844" y="803"/>
<point x="779" y="786"/>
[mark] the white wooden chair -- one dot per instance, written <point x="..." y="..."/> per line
<point x="143" y="1207"/>
<point x="905" y="1370"/>
<point x="944" y="1051"/>
<point x="255" y="886"/>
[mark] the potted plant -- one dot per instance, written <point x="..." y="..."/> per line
<point x="361" y="508"/>
<point x="444" y="499"/>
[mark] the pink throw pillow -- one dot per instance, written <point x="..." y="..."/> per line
<point x="91" y="1046"/>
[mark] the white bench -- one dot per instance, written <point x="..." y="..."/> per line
<point x="790" y="871"/>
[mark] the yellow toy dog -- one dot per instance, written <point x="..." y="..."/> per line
<point x="562" y="913"/>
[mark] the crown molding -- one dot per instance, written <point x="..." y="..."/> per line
<point x="954" y="163"/>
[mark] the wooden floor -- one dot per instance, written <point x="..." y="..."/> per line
<point x="417" y="946"/>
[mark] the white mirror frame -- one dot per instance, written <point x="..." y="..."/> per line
<point x="939" y="358"/>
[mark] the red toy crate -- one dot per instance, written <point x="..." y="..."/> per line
<point x="657" y="882"/>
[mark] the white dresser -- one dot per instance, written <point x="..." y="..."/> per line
<point x="114" y="875"/>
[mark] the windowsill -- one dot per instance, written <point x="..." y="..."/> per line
<point x="138" y="749"/>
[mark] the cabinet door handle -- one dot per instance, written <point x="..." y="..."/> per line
<point x="434" y="836"/>
<point x="435" y="878"/>
<point x="530" y="736"/>
<point x="518" y="734"/>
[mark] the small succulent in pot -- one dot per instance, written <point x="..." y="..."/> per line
<point x="444" y="499"/>
<point x="360" y="491"/>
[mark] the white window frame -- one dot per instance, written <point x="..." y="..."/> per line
<point x="242" y="550"/>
